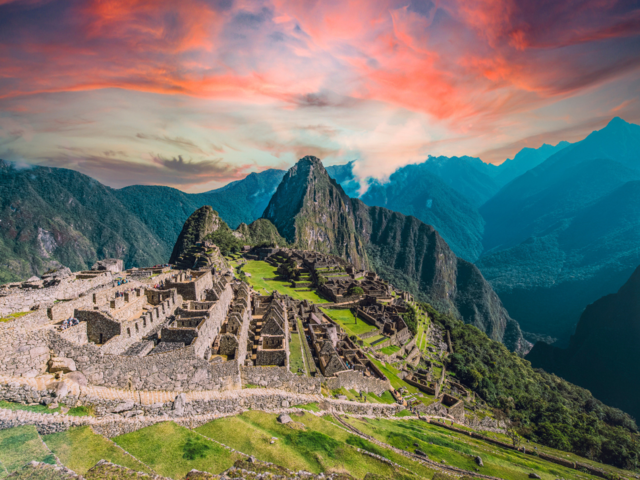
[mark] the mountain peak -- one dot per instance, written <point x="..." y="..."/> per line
<point x="617" y="122"/>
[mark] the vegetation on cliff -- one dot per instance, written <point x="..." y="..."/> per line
<point x="198" y="226"/>
<point x="542" y="406"/>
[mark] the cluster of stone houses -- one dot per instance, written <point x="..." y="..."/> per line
<point x="387" y="317"/>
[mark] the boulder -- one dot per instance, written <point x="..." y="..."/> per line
<point x="60" y="390"/>
<point x="61" y="364"/>
<point x="179" y="404"/>
<point x="534" y="475"/>
<point x="284" y="418"/>
<point x="479" y="461"/>
<point x="77" y="377"/>
<point x="123" y="407"/>
<point x="421" y="453"/>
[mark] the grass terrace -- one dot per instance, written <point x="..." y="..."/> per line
<point x="260" y="270"/>
<point x="311" y="443"/>
<point x="459" y="450"/>
<point x="390" y="350"/>
<point x="352" y="325"/>
<point x="80" y="449"/>
<point x="172" y="450"/>
<point x="21" y="445"/>
<point x="296" y="360"/>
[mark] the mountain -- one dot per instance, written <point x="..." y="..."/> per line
<point x="311" y="211"/>
<point x="415" y="190"/>
<point x="50" y="216"/>
<point x="525" y="160"/>
<point x="469" y="176"/>
<point x="566" y="232"/>
<point x="603" y="355"/>
<point x="200" y="223"/>
<point x="164" y="209"/>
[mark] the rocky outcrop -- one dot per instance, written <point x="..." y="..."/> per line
<point x="312" y="211"/>
<point x="201" y="223"/>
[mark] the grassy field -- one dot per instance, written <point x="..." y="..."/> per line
<point x="295" y="354"/>
<point x="459" y="450"/>
<point x="80" y="449"/>
<point x="396" y="382"/>
<point x="261" y="270"/>
<point x="19" y="446"/>
<point x="312" y="443"/>
<point x="345" y="319"/>
<point x="172" y="450"/>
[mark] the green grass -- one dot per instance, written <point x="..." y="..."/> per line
<point x="392" y="374"/>
<point x="459" y="450"/>
<point x="312" y="407"/>
<point x="295" y="354"/>
<point x="21" y="445"/>
<point x="351" y="325"/>
<point x="390" y="350"/>
<point x="314" y="444"/>
<point x="403" y="413"/>
<point x="260" y="270"/>
<point x="74" y="411"/>
<point x="12" y="316"/>
<point x="80" y="449"/>
<point x="172" y="450"/>
<point x="371" y="340"/>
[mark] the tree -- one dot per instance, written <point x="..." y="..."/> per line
<point x="321" y="280"/>
<point x="355" y="290"/>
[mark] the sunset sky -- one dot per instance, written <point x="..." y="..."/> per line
<point x="196" y="93"/>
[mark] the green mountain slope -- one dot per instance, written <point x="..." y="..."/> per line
<point x="312" y="211"/>
<point x="542" y="407"/>
<point x="57" y="215"/>
<point x="53" y="215"/>
<point x="603" y="355"/>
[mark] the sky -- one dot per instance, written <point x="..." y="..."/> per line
<point x="197" y="93"/>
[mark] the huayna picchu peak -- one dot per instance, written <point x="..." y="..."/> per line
<point x="312" y="212"/>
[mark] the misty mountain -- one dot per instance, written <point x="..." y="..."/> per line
<point x="566" y="232"/>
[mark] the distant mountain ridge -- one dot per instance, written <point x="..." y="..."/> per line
<point x="311" y="211"/>
<point x="567" y="232"/>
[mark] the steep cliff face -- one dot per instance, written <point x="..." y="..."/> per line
<point x="603" y="355"/>
<point x="201" y="223"/>
<point x="312" y="211"/>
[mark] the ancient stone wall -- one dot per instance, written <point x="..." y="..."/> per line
<point x="76" y="334"/>
<point x="23" y="353"/>
<point x="178" y="370"/>
<point x="351" y="379"/>
<point x="280" y="378"/>
<point x="23" y="299"/>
